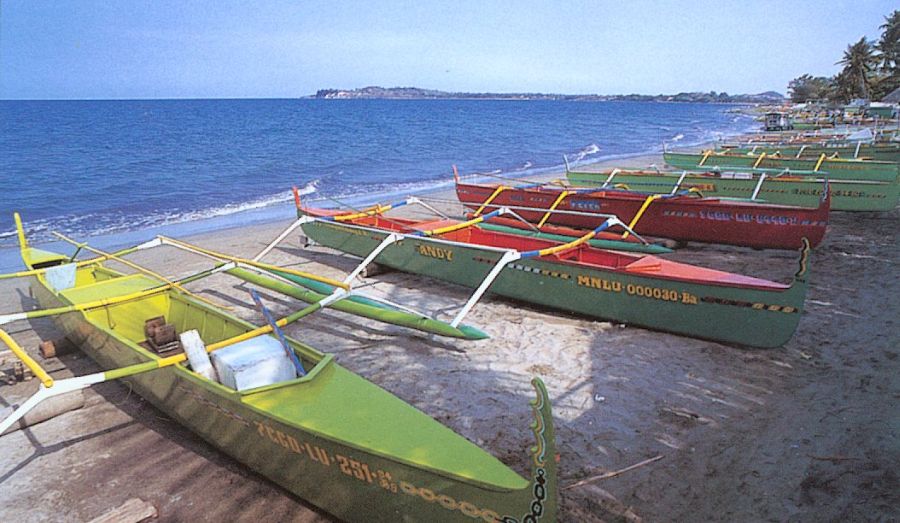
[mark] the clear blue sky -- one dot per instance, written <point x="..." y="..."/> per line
<point x="236" y="49"/>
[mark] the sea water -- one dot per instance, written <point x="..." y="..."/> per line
<point x="121" y="171"/>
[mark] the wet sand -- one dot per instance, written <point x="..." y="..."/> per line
<point x="808" y="432"/>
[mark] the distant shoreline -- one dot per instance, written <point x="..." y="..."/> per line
<point x="416" y="93"/>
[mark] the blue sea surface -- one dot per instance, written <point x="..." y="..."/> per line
<point x="124" y="170"/>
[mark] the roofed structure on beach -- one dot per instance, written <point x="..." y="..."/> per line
<point x="893" y="97"/>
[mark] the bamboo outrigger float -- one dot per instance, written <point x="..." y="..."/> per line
<point x="329" y="436"/>
<point x="572" y="276"/>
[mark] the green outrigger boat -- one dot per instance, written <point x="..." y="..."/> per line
<point x="329" y="436"/>
<point x="836" y="168"/>
<point x="784" y="188"/>
<point x="639" y="289"/>
<point x="887" y="152"/>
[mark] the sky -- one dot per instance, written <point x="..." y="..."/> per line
<point x="285" y="49"/>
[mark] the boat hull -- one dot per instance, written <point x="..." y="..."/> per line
<point x="683" y="218"/>
<point x="751" y="317"/>
<point x="836" y="169"/>
<point x="796" y="191"/>
<point x="347" y="481"/>
<point x="888" y="153"/>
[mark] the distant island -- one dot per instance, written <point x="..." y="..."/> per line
<point x="416" y="93"/>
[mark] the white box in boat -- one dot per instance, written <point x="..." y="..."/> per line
<point x="253" y="363"/>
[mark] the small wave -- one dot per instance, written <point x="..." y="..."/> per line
<point x="98" y="224"/>
<point x="527" y="165"/>
<point x="677" y="137"/>
<point x="587" y="151"/>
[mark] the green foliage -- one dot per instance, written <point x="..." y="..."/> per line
<point x="807" y="87"/>
<point x="859" y="63"/>
<point x="870" y="70"/>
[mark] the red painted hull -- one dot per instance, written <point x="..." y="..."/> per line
<point x="682" y="218"/>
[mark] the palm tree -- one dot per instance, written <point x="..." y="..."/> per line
<point x="889" y="45"/>
<point x="858" y="62"/>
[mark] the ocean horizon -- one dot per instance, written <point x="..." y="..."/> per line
<point x="120" y="171"/>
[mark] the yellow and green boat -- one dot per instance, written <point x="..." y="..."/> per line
<point x="835" y="168"/>
<point x="327" y="435"/>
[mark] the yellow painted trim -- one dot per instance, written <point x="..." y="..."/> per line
<point x="497" y="191"/>
<point x="640" y="212"/>
<point x="23" y="243"/>
<point x="819" y="163"/>
<point x="759" y="160"/>
<point x="451" y="228"/>
<point x="96" y="303"/>
<point x="706" y="155"/>
<point x="378" y="209"/>
<point x="566" y="246"/>
<point x="20" y="353"/>
<point x="552" y="208"/>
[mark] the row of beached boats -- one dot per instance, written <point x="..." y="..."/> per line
<point x="588" y="245"/>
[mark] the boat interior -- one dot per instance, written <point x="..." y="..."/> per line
<point x="329" y="400"/>
<point x="153" y="323"/>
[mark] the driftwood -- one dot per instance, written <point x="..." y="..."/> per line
<point x="607" y="475"/>
<point x="48" y="409"/>
<point x="132" y="511"/>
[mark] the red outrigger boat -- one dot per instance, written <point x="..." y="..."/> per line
<point x="684" y="216"/>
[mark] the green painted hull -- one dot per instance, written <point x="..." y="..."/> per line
<point x="331" y="437"/>
<point x="836" y="169"/>
<point x="751" y="317"/>
<point x="311" y="291"/>
<point x="880" y="153"/>
<point x="796" y="191"/>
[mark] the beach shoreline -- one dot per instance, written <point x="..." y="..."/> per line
<point x="803" y="432"/>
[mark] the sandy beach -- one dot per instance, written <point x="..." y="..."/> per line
<point x="801" y="433"/>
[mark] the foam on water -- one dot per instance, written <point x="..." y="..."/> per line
<point x="125" y="169"/>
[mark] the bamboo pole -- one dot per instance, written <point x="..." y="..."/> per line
<point x="139" y="268"/>
<point x="244" y="261"/>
